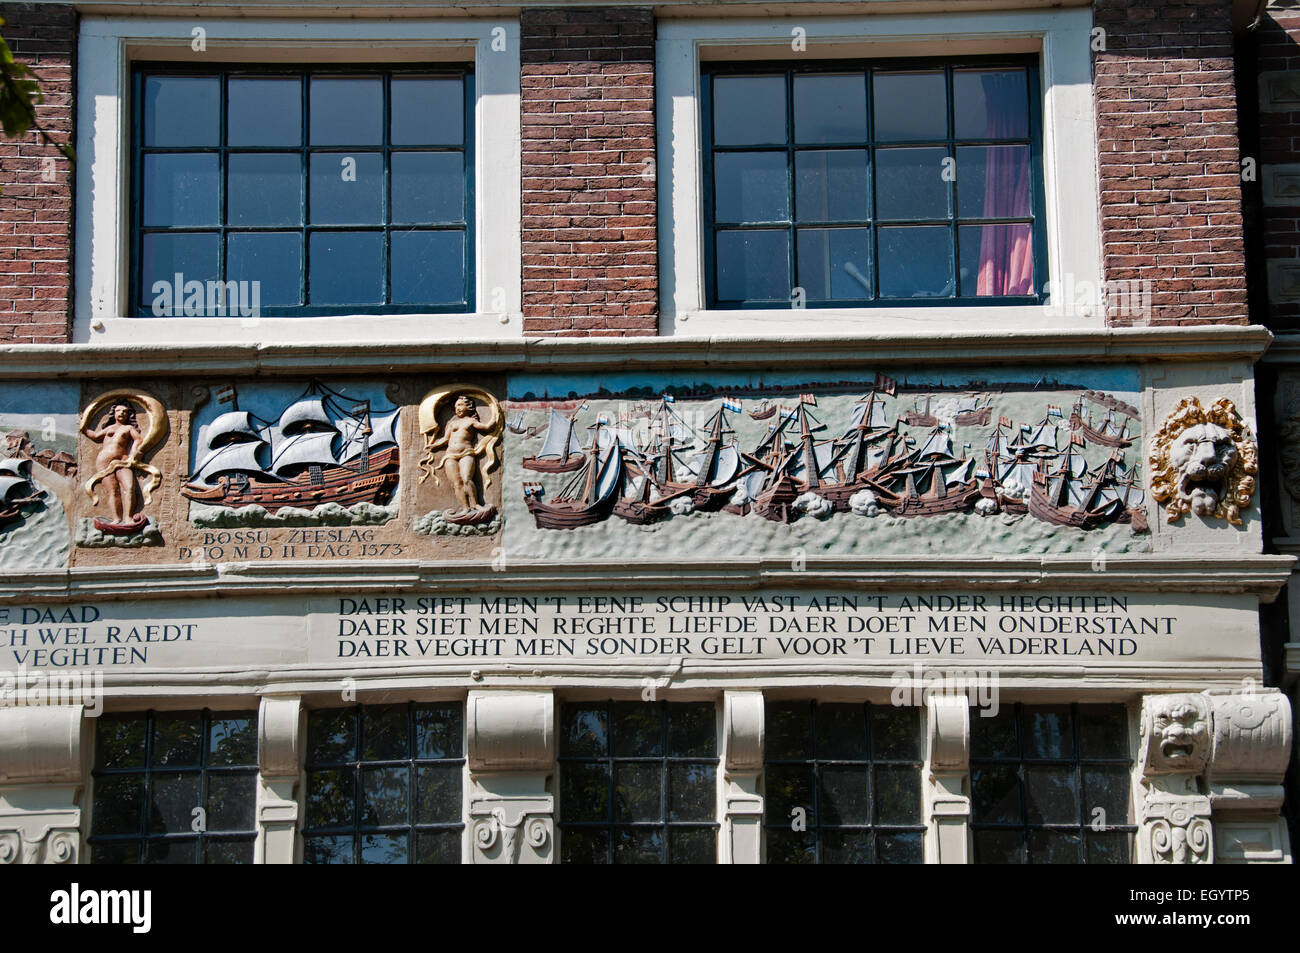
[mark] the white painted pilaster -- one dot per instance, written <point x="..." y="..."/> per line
<point x="40" y="785"/>
<point x="511" y="747"/>
<point x="742" y="767"/>
<point x="947" y="780"/>
<point x="279" y="758"/>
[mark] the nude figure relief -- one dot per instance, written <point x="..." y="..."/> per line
<point x="127" y="425"/>
<point x="462" y="428"/>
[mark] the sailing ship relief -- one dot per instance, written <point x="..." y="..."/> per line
<point x="324" y="447"/>
<point x="908" y="463"/>
<point x="17" y="492"/>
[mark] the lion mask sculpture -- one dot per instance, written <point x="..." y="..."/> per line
<point x="1204" y="462"/>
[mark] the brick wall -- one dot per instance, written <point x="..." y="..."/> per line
<point x="589" y="247"/>
<point x="1169" y="158"/>
<point x="1277" y="50"/>
<point x="36" y="204"/>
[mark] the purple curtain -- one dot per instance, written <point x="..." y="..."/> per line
<point x="1006" y="264"/>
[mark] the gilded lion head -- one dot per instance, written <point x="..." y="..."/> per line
<point x="1204" y="462"/>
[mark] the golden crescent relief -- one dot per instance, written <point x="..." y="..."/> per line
<point x="487" y="449"/>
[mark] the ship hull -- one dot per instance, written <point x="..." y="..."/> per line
<point x="340" y="485"/>
<point x="913" y="419"/>
<point x="978" y="418"/>
<point x="956" y="501"/>
<point x="12" y="511"/>
<point x="639" y="513"/>
<point x="1042" y="508"/>
<point x="762" y="414"/>
<point x="546" y="465"/>
<point x="776" y="504"/>
<point x="1096" y="436"/>
<point x="568" y="515"/>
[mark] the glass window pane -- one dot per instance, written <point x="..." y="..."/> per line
<point x="264" y="112"/>
<point x="118" y="801"/>
<point x="909" y="105"/>
<point x="748" y="110"/>
<point x="164" y="255"/>
<point x="427" y="111"/>
<point x="990" y="104"/>
<point x="427" y="267"/>
<point x="845" y="796"/>
<point x="751" y="187"/>
<point x="116" y="852"/>
<point x="1109" y="847"/>
<point x="999" y="847"/>
<point x="1107" y="788"/>
<point x="438" y="731"/>
<point x="1052" y="795"/>
<point x="583" y="732"/>
<point x="791" y="847"/>
<point x="437" y="798"/>
<point x="895" y="734"/>
<point x="346" y="268"/>
<point x="347" y="111"/>
<point x="638" y="791"/>
<point x="328" y="849"/>
<point x="231" y="799"/>
<point x="331" y="735"/>
<point x="692" y="730"/>
<point x="994" y="737"/>
<point x="384" y="733"/>
<point x="900" y="847"/>
<point x="910" y="184"/>
<point x="753" y="265"/>
<point x="158" y="851"/>
<point x="996" y="259"/>
<point x="915" y="262"/>
<point x="995" y="794"/>
<point x="271" y="263"/>
<point x="638" y="845"/>
<point x="180" y="189"/>
<point x="182" y="110"/>
<point x="428" y="188"/>
<point x="831" y="185"/>
<point x="346" y="188"/>
<point x="830" y="108"/>
<point x="119" y="741"/>
<point x="584" y="792"/>
<point x="172" y="800"/>
<point x="787" y="729"/>
<point x="898" y="794"/>
<point x="1047" y="732"/>
<point x="1103" y="731"/>
<point x="437" y="847"/>
<point x="835" y="264"/>
<point x="385" y="796"/>
<point x="331" y="797"/>
<point x="584" y="846"/>
<point x="993" y="181"/>
<point x="789" y="786"/>
<point x="692" y="845"/>
<point x="177" y="739"/>
<point x="221" y="850"/>
<point x="846" y="847"/>
<point x="1054" y="847"/>
<point x="264" y="189"/>
<point x="841" y="732"/>
<point x="637" y="729"/>
<point x="385" y="848"/>
<point x="692" y="792"/>
<point x="232" y="740"/>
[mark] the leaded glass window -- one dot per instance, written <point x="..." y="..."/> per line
<point x="1050" y="785"/>
<point x="174" y="788"/>
<point x="851" y="183"/>
<point x="384" y="784"/>
<point x="638" y="783"/>
<point x="336" y="190"/>
<point x="842" y="784"/>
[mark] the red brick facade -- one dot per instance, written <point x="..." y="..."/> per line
<point x="36" y="204"/>
<point x="589" y="244"/>
<point x="1169" y="157"/>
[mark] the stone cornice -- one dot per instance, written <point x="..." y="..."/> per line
<point x="1071" y="346"/>
<point x="1261" y="576"/>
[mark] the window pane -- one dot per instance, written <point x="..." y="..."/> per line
<point x="117" y="804"/>
<point x="900" y="848"/>
<point x="994" y="737"/>
<point x="898" y="794"/>
<point x="347" y="188"/>
<point x="346" y="268"/>
<point x="638" y="791"/>
<point x="846" y="847"/>
<point x="831" y="186"/>
<point x="993" y="181"/>
<point x="428" y="267"/>
<point x="384" y="733"/>
<point x="328" y="849"/>
<point x="227" y="850"/>
<point x="437" y="847"/>
<point x="1103" y="731"/>
<point x="995" y="794"/>
<point x="273" y="260"/>
<point x="385" y="848"/>
<point x="385" y="796"/>
<point x="753" y="265"/>
<point x="896" y="734"/>
<point x="637" y="729"/>
<point x="264" y="189"/>
<point x="633" y="845"/>
<point x="181" y="189"/>
<point x="996" y="259"/>
<point x="264" y="112"/>
<point x="1047" y="732"/>
<point x="791" y="847"/>
<point x="119" y="741"/>
<point x="1106" y="788"/>
<point x="692" y="845"/>
<point x="193" y="256"/>
<point x="583" y="732"/>
<point x="427" y="112"/>
<point x="437" y="731"/>
<point x="751" y="187"/>
<point x="692" y="730"/>
<point x="584" y="847"/>
<point x="231" y="798"/>
<point x="915" y="262"/>
<point x="841" y="732"/>
<point x="789" y="786"/>
<point x="177" y="739"/>
<point x="1054" y="847"/>
<point x="331" y="797"/>
<point x="182" y="110"/>
<point x="910" y="105"/>
<point x="171" y="851"/>
<point x="990" y="104"/>
<point x="1052" y="795"/>
<point x="332" y="735"/>
<point x="830" y="108"/>
<point x="172" y="800"/>
<point x="428" y="188"/>
<point x="1109" y="847"/>
<point x="437" y="794"/>
<point x="116" y="852"/>
<point x="835" y="264"/>
<point x="584" y="792"/>
<point x="232" y="740"/>
<point x="999" y="847"/>
<point x="788" y="731"/>
<point x="845" y="794"/>
<point x="692" y="792"/>
<point x="347" y="111"/>
<point x="748" y="110"/>
<point x="910" y="184"/>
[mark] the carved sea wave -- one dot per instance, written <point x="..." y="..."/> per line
<point x="326" y="514"/>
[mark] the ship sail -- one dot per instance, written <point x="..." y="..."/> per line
<point x="304" y="414"/>
<point x="355" y="441"/>
<point x="960" y="473"/>
<point x="304" y="449"/>
<point x="938" y="444"/>
<point x="16" y="467"/>
<point x="13" y="487"/>
<point x="561" y="440"/>
<point x="230" y="458"/>
<point x="232" y="425"/>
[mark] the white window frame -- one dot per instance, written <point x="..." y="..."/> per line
<point x="108" y="46"/>
<point x="1063" y="37"/>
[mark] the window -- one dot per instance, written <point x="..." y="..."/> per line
<point x="174" y="788"/>
<point x="302" y="191"/>
<point x="843" y="784"/>
<point x="844" y="184"/>
<point x="638" y="783"/>
<point x="1050" y="785"/>
<point x="384" y="785"/>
